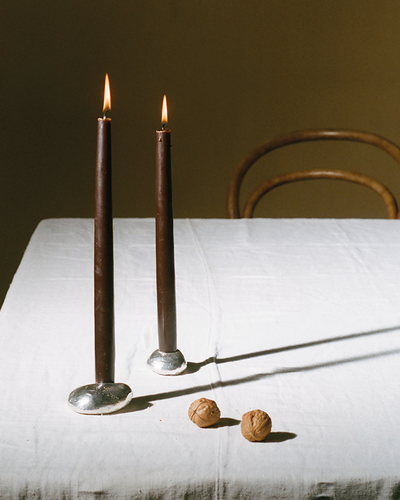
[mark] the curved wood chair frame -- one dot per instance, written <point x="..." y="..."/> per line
<point x="301" y="175"/>
<point x="233" y="209"/>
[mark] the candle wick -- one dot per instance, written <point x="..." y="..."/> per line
<point x="163" y="126"/>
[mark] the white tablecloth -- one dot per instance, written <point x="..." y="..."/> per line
<point x="300" y="318"/>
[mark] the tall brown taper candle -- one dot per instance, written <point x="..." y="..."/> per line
<point x="166" y="304"/>
<point x="103" y="250"/>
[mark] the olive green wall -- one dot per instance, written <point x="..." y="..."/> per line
<point x="235" y="72"/>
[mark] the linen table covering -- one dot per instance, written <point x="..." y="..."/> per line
<point x="300" y="318"/>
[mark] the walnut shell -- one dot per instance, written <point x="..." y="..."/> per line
<point x="204" y="412"/>
<point x="256" y="425"/>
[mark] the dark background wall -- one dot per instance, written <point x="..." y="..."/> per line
<point x="235" y="72"/>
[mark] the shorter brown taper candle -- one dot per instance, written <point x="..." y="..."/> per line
<point x="166" y="304"/>
<point x="103" y="251"/>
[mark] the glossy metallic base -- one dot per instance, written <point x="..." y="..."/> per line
<point x="167" y="363"/>
<point x="98" y="399"/>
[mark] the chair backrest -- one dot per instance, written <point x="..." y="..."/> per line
<point x="233" y="209"/>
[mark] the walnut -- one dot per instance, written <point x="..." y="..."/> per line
<point x="204" y="412"/>
<point x="256" y="425"/>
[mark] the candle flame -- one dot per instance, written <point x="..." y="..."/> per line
<point x="107" y="96"/>
<point x="164" y="113"/>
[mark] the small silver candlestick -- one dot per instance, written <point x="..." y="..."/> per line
<point x="167" y="363"/>
<point x="166" y="360"/>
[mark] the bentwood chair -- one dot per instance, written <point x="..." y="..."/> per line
<point x="387" y="146"/>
